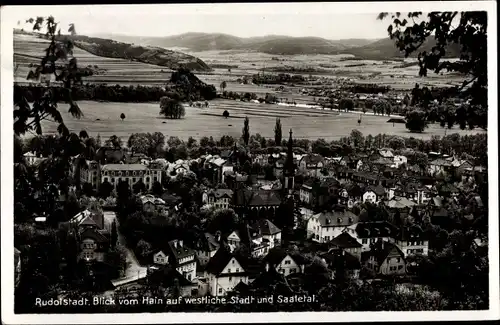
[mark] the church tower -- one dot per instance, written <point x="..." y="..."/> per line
<point x="289" y="169"/>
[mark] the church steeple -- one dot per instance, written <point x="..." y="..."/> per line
<point x="289" y="167"/>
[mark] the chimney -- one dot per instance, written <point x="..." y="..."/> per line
<point x="302" y="268"/>
<point x="181" y="244"/>
<point x="267" y="267"/>
<point x="175" y="243"/>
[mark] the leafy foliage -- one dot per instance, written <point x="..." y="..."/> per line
<point x="58" y="61"/>
<point x="416" y="121"/>
<point x="246" y="131"/>
<point x="171" y="108"/>
<point x="468" y="29"/>
<point x="277" y="131"/>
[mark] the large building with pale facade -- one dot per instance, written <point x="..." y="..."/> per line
<point x="95" y="174"/>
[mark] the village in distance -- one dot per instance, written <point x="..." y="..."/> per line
<point x="185" y="174"/>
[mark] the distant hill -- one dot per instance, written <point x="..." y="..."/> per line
<point x="271" y="44"/>
<point x="386" y="49"/>
<point x="146" y="54"/>
<point x="277" y="44"/>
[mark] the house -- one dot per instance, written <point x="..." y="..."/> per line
<point x="270" y="278"/>
<point x="167" y="276"/>
<point x="153" y="205"/>
<point x="87" y="218"/>
<point x="219" y="198"/>
<point x="439" y="166"/>
<point x="285" y="262"/>
<point x="93" y="245"/>
<point x="324" y="226"/>
<point x="17" y="266"/>
<point x="207" y="246"/>
<point x="368" y="233"/>
<point x="411" y="240"/>
<point x="252" y="238"/>
<point x="317" y="193"/>
<point x="374" y="194"/>
<point x="91" y="235"/>
<point x="31" y="158"/>
<point x="342" y="261"/>
<point x="269" y="232"/>
<point x="386" y="153"/>
<point x="311" y="165"/>
<point x="306" y="192"/>
<point x="256" y="204"/>
<point x="399" y="203"/>
<point x="400" y="160"/>
<point x="178" y="255"/>
<point x="224" y="271"/>
<point x="217" y="167"/>
<point x="346" y="242"/>
<point x="386" y="259"/>
<point x="235" y="181"/>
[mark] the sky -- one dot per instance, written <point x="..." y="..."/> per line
<point x="319" y="19"/>
<point x="166" y="20"/>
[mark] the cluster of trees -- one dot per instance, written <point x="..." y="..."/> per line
<point x="280" y="78"/>
<point x="171" y="108"/>
<point x="367" y="89"/>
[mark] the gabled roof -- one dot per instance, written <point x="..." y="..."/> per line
<point x="386" y="153"/>
<point x="410" y="233"/>
<point x="167" y="277"/>
<point x="266" y="227"/>
<point x="441" y="162"/>
<point x="208" y="242"/>
<point x="177" y="251"/>
<point x="121" y="167"/>
<point x="312" y="159"/>
<point x="94" y="234"/>
<point x="345" y="240"/>
<point x="379" y="190"/>
<point x="382" y="250"/>
<point x="342" y="260"/>
<point x="336" y="218"/>
<point x="276" y="255"/>
<point x="399" y="203"/>
<point x="219" y="193"/>
<point x="375" y="229"/>
<point x="221" y="259"/>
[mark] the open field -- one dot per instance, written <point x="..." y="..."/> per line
<point x="29" y="49"/>
<point x="197" y="123"/>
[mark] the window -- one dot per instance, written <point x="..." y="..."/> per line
<point x="398" y="259"/>
<point x="400" y="267"/>
<point x="287" y="262"/>
<point x="237" y="270"/>
<point x="230" y="279"/>
<point x="228" y="270"/>
<point x="232" y="261"/>
<point x="293" y="270"/>
<point x="282" y="271"/>
<point x="220" y="290"/>
<point x="364" y="241"/>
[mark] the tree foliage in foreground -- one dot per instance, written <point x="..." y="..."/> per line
<point x="468" y="29"/>
<point x="60" y="62"/>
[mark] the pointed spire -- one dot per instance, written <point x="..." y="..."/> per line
<point x="289" y="165"/>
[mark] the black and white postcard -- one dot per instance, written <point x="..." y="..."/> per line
<point x="249" y="162"/>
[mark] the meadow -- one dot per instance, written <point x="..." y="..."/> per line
<point x="103" y="117"/>
<point x="306" y="122"/>
<point x="29" y="49"/>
